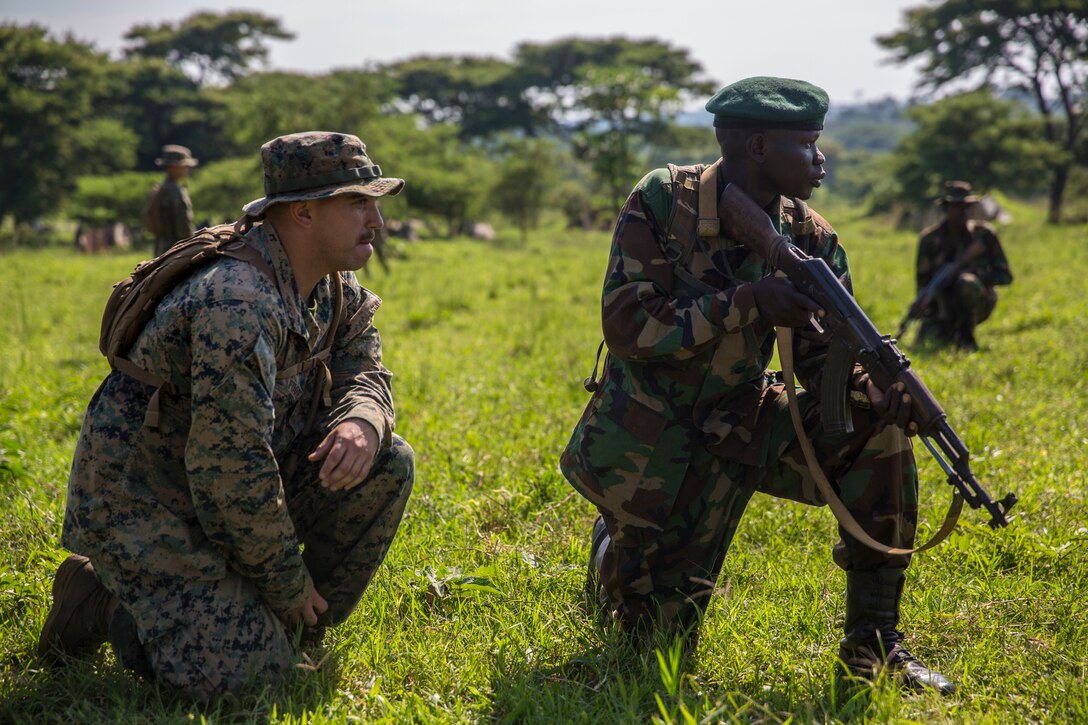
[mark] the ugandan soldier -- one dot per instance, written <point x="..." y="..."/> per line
<point x="204" y="542"/>
<point x="170" y="214"/>
<point x="971" y="247"/>
<point x="686" y="422"/>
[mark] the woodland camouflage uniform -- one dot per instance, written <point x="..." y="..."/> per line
<point x="687" y="422"/>
<point x="196" y="524"/>
<point x="970" y="299"/>
<point x="173" y="208"/>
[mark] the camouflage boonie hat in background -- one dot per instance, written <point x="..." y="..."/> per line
<point x="957" y="192"/>
<point x="317" y="164"/>
<point x="174" y="155"/>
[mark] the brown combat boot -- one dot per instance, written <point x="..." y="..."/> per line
<point x="78" y="623"/>
<point x="872" y="643"/>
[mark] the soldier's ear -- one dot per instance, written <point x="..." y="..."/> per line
<point x="756" y="146"/>
<point x="302" y="213"/>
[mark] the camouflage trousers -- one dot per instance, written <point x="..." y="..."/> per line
<point x="962" y="307"/>
<point x="228" y="639"/>
<point x="667" y="574"/>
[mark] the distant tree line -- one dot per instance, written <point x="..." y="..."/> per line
<point x="564" y="127"/>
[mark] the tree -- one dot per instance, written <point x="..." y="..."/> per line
<point x="1036" y="47"/>
<point x="213" y="47"/>
<point x="527" y="174"/>
<point x="47" y="91"/>
<point x="612" y="96"/>
<point x="482" y="96"/>
<point x="162" y="105"/>
<point x="974" y="136"/>
<point x="262" y="106"/>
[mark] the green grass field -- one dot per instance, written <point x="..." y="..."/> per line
<point x="475" y="616"/>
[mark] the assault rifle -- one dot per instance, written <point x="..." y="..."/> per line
<point x="855" y="339"/>
<point x="945" y="276"/>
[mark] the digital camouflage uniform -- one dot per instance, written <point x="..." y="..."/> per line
<point x="212" y="528"/>
<point x="175" y="214"/>
<point x="970" y="298"/>
<point x="687" y="423"/>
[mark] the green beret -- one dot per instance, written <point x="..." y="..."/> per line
<point x="766" y="102"/>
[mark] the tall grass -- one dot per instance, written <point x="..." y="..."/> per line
<point x="474" y="615"/>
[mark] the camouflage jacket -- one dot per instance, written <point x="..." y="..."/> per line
<point x="682" y="369"/>
<point x="937" y="247"/>
<point x="203" y="491"/>
<point x="175" y="211"/>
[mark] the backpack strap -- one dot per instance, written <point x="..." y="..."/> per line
<point x="232" y="246"/>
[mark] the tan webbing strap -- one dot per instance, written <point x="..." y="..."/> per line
<point x="129" y="368"/>
<point x="802" y="222"/>
<point x="708" y="224"/>
<point x="846" y="520"/>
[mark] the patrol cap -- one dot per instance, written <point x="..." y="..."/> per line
<point x="174" y="155"/>
<point x="957" y="192"/>
<point x="768" y="102"/>
<point x="315" y="165"/>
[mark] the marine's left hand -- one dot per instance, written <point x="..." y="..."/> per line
<point x="349" y="452"/>
<point x="893" y="406"/>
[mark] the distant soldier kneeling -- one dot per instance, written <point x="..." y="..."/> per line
<point x="975" y="264"/>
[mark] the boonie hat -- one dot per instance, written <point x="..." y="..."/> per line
<point x="768" y="102"/>
<point x="957" y="192"/>
<point x="174" y="155"/>
<point x="315" y="165"/>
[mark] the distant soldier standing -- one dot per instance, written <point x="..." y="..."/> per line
<point x="979" y="262"/>
<point x="237" y="474"/>
<point x="687" y="423"/>
<point x="169" y="216"/>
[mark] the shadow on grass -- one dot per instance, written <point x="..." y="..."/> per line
<point x="612" y="681"/>
<point x="96" y="689"/>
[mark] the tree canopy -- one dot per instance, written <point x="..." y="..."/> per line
<point x="1035" y="47"/>
<point x="213" y="47"/>
<point x="48" y="89"/>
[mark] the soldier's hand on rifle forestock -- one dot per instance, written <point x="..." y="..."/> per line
<point x="893" y="406"/>
<point x="781" y="305"/>
<point x="349" y="452"/>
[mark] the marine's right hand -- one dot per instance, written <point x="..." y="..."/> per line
<point x="314" y="605"/>
<point x="780" y="303"/>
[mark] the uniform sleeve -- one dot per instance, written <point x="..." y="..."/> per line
<point x="810" y="347"/>
<point x="233" y="475"/>
<point x="926" y="264"/>
<point x="177" y="213"/>
<point x="644" y="314"/>
<point x="994" y="267"/>
<point x="361" y="384"/>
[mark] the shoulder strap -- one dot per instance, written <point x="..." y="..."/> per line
<point x="845" y="518"/>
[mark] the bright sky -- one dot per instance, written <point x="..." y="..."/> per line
<point x="829" y="43"/>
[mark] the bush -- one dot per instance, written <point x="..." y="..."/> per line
<point x="220" y="189"/>
<point x="104" y="200"/>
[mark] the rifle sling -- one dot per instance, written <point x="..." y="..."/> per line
<point x="845" y="518"/>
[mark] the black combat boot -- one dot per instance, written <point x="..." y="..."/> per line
<point x="872" y="642"/>
<point x="78" y="623"/>
<point x="596" y="601"/>
<point x="965" y="336"/>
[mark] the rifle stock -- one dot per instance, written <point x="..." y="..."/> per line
<point x="855" y="338"/>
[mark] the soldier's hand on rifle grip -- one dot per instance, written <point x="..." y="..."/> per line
<point x="893" y="406"/>
<point x="780" y="303"/>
